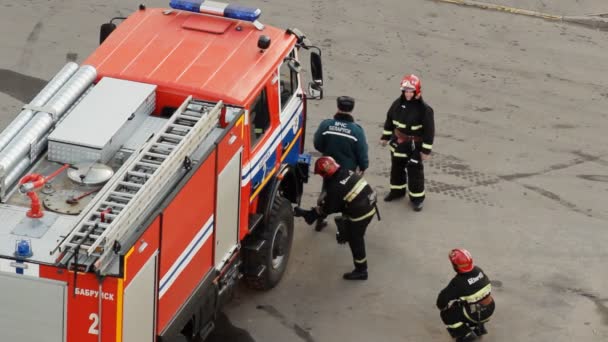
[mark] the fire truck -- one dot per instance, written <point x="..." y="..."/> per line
<point x="141" y="186"/>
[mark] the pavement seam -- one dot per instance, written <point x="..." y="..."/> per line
<point x="592" y="21"/>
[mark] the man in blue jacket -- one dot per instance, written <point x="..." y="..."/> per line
<point x="344" y="140"/>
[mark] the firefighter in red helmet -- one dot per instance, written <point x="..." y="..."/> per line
<point x="409" y="130"/>
<point x="466" y="303"/>
<point x="348" y="193"/>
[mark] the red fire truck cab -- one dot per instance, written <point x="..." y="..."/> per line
<point x="138" y="188"/>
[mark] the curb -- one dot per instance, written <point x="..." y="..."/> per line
<point x="596" y="22"/>
<point x="592" y="21"/>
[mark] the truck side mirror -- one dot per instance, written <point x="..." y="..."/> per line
<point x="315" y="91"/>
<point x="316" y="67"/>
<point x="105" y="30"/>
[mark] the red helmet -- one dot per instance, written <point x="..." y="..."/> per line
<point x="461" y="260"/>
<point x="326" y="166"/>
<point x="411" y="82"/>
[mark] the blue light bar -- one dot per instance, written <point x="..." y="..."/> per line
<point x="242" y="13"/>
<point x="218" y="8"/>
<point x="187" y="5"/>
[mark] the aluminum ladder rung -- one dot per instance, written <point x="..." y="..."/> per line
<point x="162" y="151"/>
<point x="186" y="122"/>
<point x="171" y="147"/>
<point x="193" y="113"/>
<point x="173" y="136"/>
<point x="121" y="194"/>
<point x="97" y="224"/>
<point x="106" y="215"/>
<point x="69" y="245"/>
<point x="131" y="184"/>
<point x="195" y="106"/>
<point x="114" y="204"/>
<point x="155" y="155"/>
<point x="179" y="127"/>
<point x="138" y="174"/>
<point x="147" y="164"/>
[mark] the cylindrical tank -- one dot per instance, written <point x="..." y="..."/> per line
<point x="41" y="123"/>
<point x="40" y="100"/>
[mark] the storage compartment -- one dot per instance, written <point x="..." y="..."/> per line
<point x="102" y="122"/>
<point x="32" y="309"/>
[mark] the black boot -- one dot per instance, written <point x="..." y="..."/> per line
<point x="321" y="224"/>
<point x="480" y="329"/>
<point x="467" y="338"/>
<point x="355" y="275"/>
<point x="417" y="206"/>
<point x="393" y="196"/>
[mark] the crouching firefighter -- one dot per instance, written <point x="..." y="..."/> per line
<point x="347" y="193"/>
<point x="466" y="303"/>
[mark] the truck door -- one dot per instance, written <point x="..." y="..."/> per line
<point x="291" y="110"/>
<point x="264" y="136"/>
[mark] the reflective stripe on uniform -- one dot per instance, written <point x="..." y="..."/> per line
<point x="397" y="154"/>
<point x="361" y="218"/>
<point x="479" y="295"/>
<point x="427" y="146"/>
<point x="416" y="194"/>
<point x="455" y="325"/>
<point x="399" y="124"/>
<point x="399" y="187"/>
<point x="414" y="128"/>
<point x="355" y="190"/>
<point x="387" y="132"/>
<point x="361" y="261"/>
<point x="340" y="134"/>
<point x="466" y="314"/>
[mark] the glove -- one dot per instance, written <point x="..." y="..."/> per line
<point x="310" y="216"/>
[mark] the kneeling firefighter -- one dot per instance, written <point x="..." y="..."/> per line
<point x="347" y="193"/>
<point x="466" y="303"/>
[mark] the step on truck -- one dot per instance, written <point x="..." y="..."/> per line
<point x="141" y="186"/>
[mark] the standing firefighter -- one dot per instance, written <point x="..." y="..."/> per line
<point x="343" y="140"/>
<point x="349" y="194"/>
<point x="409" y="130"/>
<point x="466" y="303"/>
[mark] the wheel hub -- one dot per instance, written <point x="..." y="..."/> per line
<point x="279" y="242"/>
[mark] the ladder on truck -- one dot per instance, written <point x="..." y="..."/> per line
<point x="120" y="205"/>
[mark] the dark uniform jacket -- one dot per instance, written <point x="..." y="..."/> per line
<point x="344" y="140"/>
<point x="470" y="287"/>
<point x="414" y="118"/>
<point x="349" y="194"/>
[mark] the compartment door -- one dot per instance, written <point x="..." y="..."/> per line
<point x="32" y="309"/>
<point x="139" y="311"/>
<point x="227" y="210"/>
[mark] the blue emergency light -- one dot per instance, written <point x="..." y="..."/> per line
<point x="218" y="8"/>
<point x="23" y="249"/>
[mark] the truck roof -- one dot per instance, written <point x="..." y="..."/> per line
<point x="186" y="53"/>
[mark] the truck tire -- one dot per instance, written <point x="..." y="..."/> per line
<point x="278" y="237"/>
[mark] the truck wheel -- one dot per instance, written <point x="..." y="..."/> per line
<point x="278" y="235"/>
